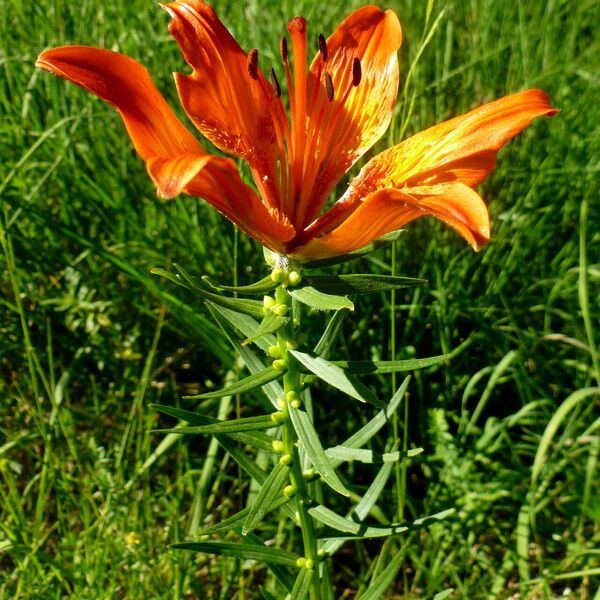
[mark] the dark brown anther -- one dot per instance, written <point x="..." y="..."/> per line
<point x="283" y="49"/>
<point x="329" y="87"/>
<point x="356" y="72"/>
<point x="323" y="47"/>
<point x="275" y="81"/>
<point x="253" y="64"/>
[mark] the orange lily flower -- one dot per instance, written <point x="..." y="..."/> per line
<point x="338" y="109"/>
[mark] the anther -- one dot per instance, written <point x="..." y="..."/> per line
<point x="275" y="81"/>
<point x="252" y="63"/>
<point x="329" y="87"/>
<point x="356" y="72"/>
<point x="283" y="48"/>
<point x="323" y="47"/>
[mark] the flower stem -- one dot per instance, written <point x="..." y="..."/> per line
<point x="290" y="402"/>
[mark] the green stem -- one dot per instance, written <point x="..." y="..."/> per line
<point x="291" y="387"/>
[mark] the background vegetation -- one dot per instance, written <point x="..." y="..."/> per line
<point x="90" y="498"/>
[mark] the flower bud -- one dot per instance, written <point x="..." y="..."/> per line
<point x="294" y="278"/>
<point x="277" y="417"/>
<point x="279" y="275"/>
<point x="280" y="310"/>
<point x="285" y="460"/>
<point x="274" y="351"/>
<point x="279" y="364"/>
<point x="268" y="302"/>
<point x="301" y="562"/>
<point x="289" y="491"/>
<point x="277" y="445"/>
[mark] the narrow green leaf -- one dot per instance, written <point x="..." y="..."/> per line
<point x="443" y="595"/>
<point x="245" y="324"/>
<point x="245" y="385"/>
<point x="334" y="326"/>
<point x="255" y="439"/>
<point x="344" y="453"/>
<point x="365" y="504"/>
<point x="380" y="367"/>
<point x="236" y="521"/>
<point x="360" y="283"/>
<point x="272" y="390"/>
<point x="319" y="300"/>
<point x="258" y="288"/>
<point x="365" y="433"/>
<point x="270" y="324"/>
<point x="358" y="530"/>
<point x="268" y="493"/>
<point x="242" y="305"/>
<point x="335" y="376"/>
<point x="302" y="585"/>
<point x="311" y="443"/>
<point x="229" y="426"/>
<point x="265" y="554"/>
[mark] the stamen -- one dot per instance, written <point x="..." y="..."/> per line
<point x="252" y="64"/>
<point x="356" y="71"/>
<point x="283" y="48"/>
<point x="329" y="87"/>
<point x="323" y="47"/>
<point x="275" y="81"/>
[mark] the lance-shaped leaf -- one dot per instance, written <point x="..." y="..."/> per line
<point x="265" y="554"/>
<point x="380" y="367"/>
<point x="360" y="283"/>
<point x="229" y="426"/>
<point x="335" y="376"/>
<point x="242" y="305"/>
<point x="255" y="439"/>
<point x="358" y="530"/>
<point x="302" y="585"/>
<point x="365" y="504"/>
<point x="272" y="390"/>
<point x="344" y="453"/>
<point x="326" y="342"/>
<point x="365" y="433"/>
<point x="270" y="324"/>
<point x="319" y="300"/>
<point x="245" y="385"/>
<point x="258" y="288"/>
<point x="236" y="521"/>
<point x="311" y="443"/>
<point x="245" y="324"/>
<point x="268" y="493"/>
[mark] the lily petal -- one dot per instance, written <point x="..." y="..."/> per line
<point x="347" y="126"/>
<point x="390" y="209"/>
<point x="126" y="85"/>
<point x="462" y="149"/>
<point x="175" y="159"/>
<point x="224" y="102"/>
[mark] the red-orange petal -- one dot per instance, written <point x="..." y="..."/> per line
<point x="175" y="159"/>
<point x="221" y="98"/>
<point x="462" y="149"/>
<point x="390" y="209"/>
<point x="357" y="117"/>
<point x="125" y="84"/>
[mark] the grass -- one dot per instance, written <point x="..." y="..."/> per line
<point x="91" y="499"/>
